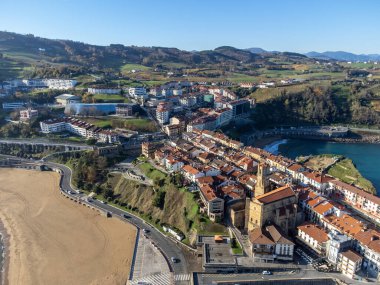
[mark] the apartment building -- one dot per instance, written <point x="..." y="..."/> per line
<point x="137" y="92"/>
<point x="314" y="237"/>
<point x="213" y="205"/>
<point x="349" y="262"/>
<point x="78" y="127"/>
<point x="28" y="114"/>
<point x="163" y="112"/>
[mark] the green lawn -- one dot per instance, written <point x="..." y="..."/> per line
<point x="346" y="171"/>
<point x="151" y="172"/>
<point x="105" y="122"/>
<point x="111" y="98"/>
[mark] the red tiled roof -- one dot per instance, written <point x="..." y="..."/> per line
<point x="369" y="238"/>
<point x="345" y="224"/>
<point x="314" y="231"/>
<point x="275" y="195"/>
<point x="352" y="255"/>
<point x="190" y="169"/>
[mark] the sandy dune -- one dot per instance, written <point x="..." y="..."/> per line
<point x="56" y="241"/>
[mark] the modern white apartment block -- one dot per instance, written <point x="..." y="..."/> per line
<point x="78" y="127"/>
<point x="59" y="84"/>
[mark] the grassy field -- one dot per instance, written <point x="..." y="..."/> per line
<point x="346" y="171"/>
<point x="138" y="124"/>
<point x="151" y="172"/>
<point x="111" y="98"/>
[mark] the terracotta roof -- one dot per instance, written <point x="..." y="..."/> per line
<point x="323" y="207"/>
<point x="314" y="231"/>
<point x="205" y="180"/>
<point x="352" y="255"/>
<point x="317" y="177"/>
<point x="208" y="192"/>
<point x="190" y="169"/>
<point x="316" y="201"/>
<point x="369" y="238"/>
<point x="257" y="236"/>
<point x="295" y="167"/>
<point x="275" y="195"/>
<point x="345" y="224"/>
<point x="278" y="235"/>
<point x="269" y="235"/>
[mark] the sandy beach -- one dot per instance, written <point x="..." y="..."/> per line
<point x="55" y="241"/>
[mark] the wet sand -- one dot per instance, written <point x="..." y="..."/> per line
<point x="53" y="240"/>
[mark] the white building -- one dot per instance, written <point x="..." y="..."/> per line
<point x="53" y="126"/>
<point x="138" y="92"/>
<point x="80" y="128"/>
<point x="349" y="262"/>
<point x="13" y="105"/>
<point x="163" y="113"/>
<point x="314" y="237"/>
<point x="28" y="114"/>
<point x="337" y="243"/>
<point x="368" y="245"/>
<point x="59" y="84"/>
<point x="95" y="90"/>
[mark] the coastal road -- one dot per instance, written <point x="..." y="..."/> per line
<point x="169" y="247"/>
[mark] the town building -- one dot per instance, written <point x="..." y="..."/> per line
<point x="137" y="92"/>
<point x="66" y="99"/>
<point x="163" y="113"/>
<point x="148" y="148"/>
<point x="28" y="114"/>
<point x="57" y="84"/>
<point x="103" y="90"/>
<point x="78" y="127"/>
<point x="124" y="110"/>
<point x="314" y="237"/>
<point x="349" y="262"/>
<point x="367" y="243"/>
<point x="213" y="206"/>
<point x="269" y="244"/>
<point x="13" y="105"/>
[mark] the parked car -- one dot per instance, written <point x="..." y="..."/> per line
<point x="109" y="214"/>
<point x="175" y="260"/>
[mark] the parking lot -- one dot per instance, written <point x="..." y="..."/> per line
<point x="304" y="256"/>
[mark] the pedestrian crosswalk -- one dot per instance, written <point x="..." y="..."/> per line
<point x="161" y="279"/>
<point x="182" y="277"/>
<point x="156" y="279"/>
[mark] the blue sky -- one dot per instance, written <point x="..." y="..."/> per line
<point x="284" y="25"/>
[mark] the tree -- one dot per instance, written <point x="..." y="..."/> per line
<point x="108" y="193"/>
